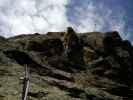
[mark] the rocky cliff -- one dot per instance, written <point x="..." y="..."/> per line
<point x="67" y="66"/>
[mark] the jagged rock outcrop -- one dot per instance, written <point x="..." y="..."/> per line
<point x="114" y="46"/>
<point x="73" y="47"/>
<point x="67" y="66"/>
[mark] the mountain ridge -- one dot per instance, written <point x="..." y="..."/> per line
<point x="67" y="66"/>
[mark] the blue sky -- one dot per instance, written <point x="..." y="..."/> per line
<point x="120" y="13"/>
<point x="30" y="16"/>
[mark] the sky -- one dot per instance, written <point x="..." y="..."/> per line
<point x="31" y="16"/>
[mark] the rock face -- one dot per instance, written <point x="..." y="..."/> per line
<point x="67" y="66"/>
<point x="115" y="47"/>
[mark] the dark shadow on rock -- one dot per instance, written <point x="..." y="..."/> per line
<point x="5" y="72"/>
<point x="49" y="47"/>
<point x="59" y="76"/>
<point x="110" y="41"/>
<point x="121" y="52"/>
<point x="73" y="92"/>
<point x="24" y="59"/>
<point x="38" y="95"/>
<point x="77" y="92"/>
<point x="123" y="91"/>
